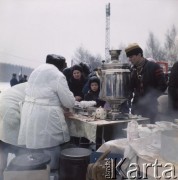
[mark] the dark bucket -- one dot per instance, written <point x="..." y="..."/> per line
<point x="74" y="163"/>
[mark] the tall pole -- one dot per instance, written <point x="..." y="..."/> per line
<point x="107" y="37"/>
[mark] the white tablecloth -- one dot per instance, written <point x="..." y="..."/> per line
<point x="83" y="126"/>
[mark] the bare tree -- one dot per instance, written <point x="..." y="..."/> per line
<point x="83" y="55"/>
<point x="170" y="45"/>
<point x="154" y="49"/>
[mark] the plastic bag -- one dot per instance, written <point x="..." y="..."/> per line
<point x="132" y="130"/>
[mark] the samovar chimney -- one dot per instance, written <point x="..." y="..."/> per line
<point x="114" y="54"/>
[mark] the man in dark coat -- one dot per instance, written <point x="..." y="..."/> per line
<point x="68" y="73"/>
<point x="147" y="83"/>
<point x="173" y="88"/>
<point x="25" y="78"/>
<point x="14" y="80"/>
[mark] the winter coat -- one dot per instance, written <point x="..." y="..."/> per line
<point x="68" y="73"/>
<point x="173" y="87"/>
<point x="13" y="81"/>
<point x="76" y="86"/>
<point x="43" y="123"/>
<point x="10" y="101"/>
<point x="147" y="84"/>
<point x="94" y="96"/>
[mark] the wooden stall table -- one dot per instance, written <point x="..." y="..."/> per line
<point x="96" y="130"/>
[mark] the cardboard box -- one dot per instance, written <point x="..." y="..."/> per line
<point x="28" y="175"/>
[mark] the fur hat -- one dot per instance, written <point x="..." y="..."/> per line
<point x="133" y="49"/>
<point x="94" y="79"/>
<point x="77" y="67"/>
<point x="56" y="60"/>
<point x="67" y="72"/>
<point x="85" y="67"/>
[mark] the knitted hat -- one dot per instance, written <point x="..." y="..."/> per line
<point x="77" y="67"/>
<point x="56" y="60"/>
<point x="133" y="49"/>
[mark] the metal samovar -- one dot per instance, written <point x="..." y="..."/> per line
<point x="115" y="80"/>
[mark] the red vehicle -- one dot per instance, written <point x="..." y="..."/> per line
<point x="164" y="65"/>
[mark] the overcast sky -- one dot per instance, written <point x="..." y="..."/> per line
<point x="30" y="29"/>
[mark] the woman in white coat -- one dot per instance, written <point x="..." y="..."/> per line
<point x="43" y="124"/>
<point x="10" y="101"/>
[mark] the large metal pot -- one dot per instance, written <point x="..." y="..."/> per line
<point x="74" y="163"/>
<point x="32" y="161"/>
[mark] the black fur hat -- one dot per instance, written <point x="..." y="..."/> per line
<point x="94" y="79"/>
<point x="77" y="67"/>
<point x="86" y="68"/>
<point x="67" y="72"/>
<point x="57" y="60"/>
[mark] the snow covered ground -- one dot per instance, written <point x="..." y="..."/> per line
<point x="4" y="86"/>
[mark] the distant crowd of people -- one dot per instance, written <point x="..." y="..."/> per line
<point x="15" y="81"/>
